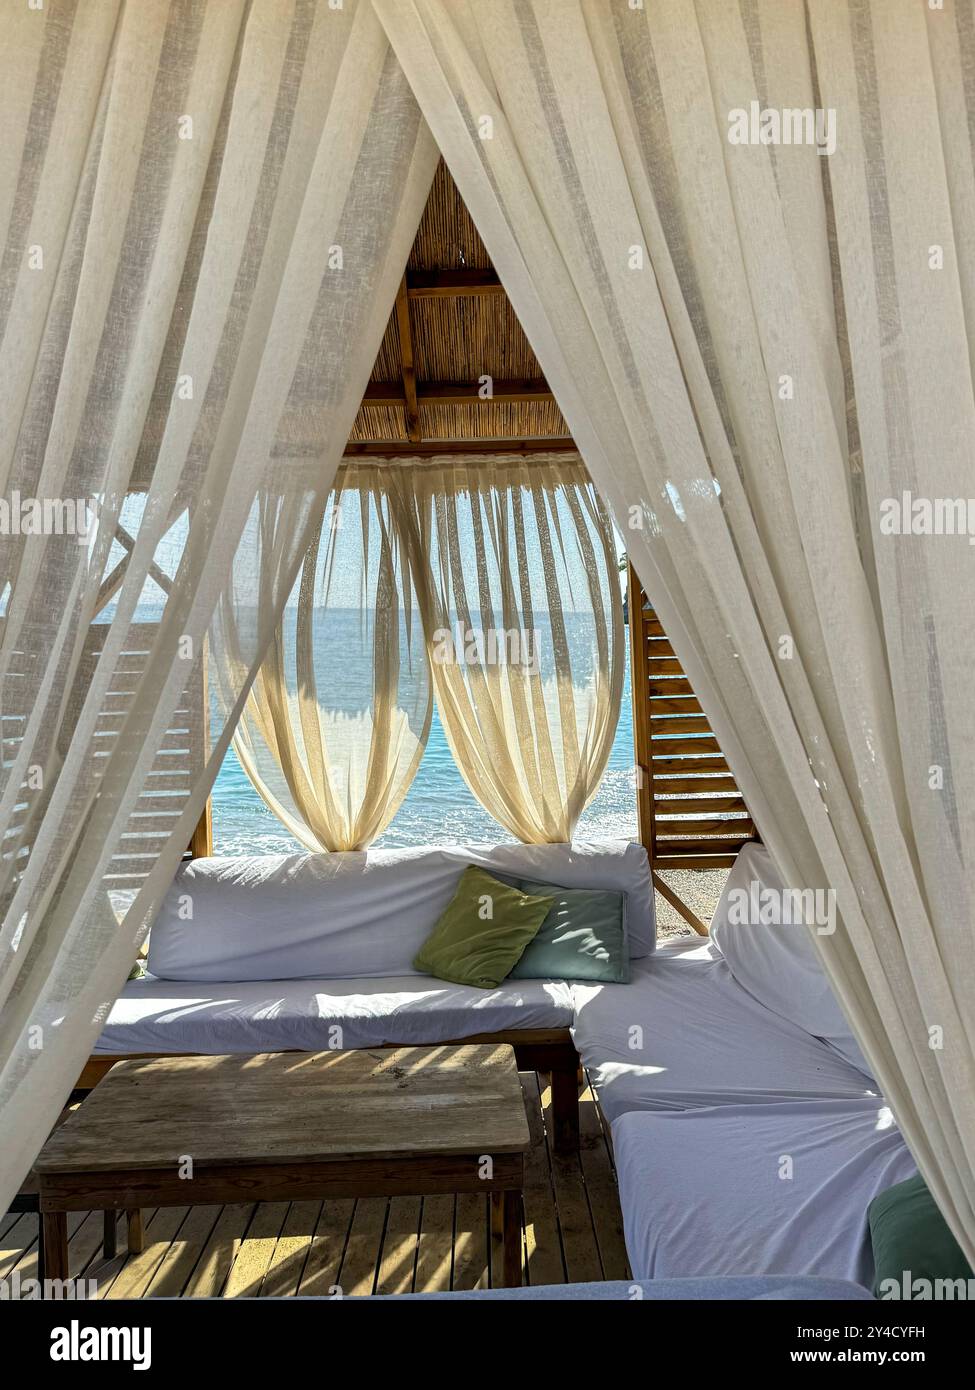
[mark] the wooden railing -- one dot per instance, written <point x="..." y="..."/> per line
<point x="691" y="812"/>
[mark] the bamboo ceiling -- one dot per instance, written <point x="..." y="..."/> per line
<point x="453" y="325"/>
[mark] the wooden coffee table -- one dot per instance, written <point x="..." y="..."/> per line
<point x="288" y="1126"/>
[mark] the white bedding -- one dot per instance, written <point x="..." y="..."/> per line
<point x="154" y="1015"/>
<point x="683" y="1033"/>
<point x="703" y="1191"/>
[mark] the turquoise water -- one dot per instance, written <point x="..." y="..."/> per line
<point x="439" y="807"/>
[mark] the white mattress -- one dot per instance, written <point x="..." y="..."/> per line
<point x="702" y="1191"/>
<point x="683" y="1033"/>
<point x="154" y="1015"/>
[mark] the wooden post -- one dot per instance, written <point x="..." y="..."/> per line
<point x="511" y="1221"/>
<point x="135" y="1231"/>
<point x="640" y="697"/>
<point x="201" y="841"/>
<point x="54" y="1236"/>
<point x="565" y="1107"/>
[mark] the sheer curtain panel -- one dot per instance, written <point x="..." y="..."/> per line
<point x="205" y="206"/>
<point x="763" y="348"/>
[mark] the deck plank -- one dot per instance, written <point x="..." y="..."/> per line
<point x="398" y="1259"/>
<point x="288" y="1260"/>
<point x="177" y="1265"/>
<point x="600" y="1179"/>
<point x="256" y="1251"/>
<point x="572" y="1229"/>
<point x="471" y="1241"/>
<point x="320" y="1276"/>
<point x="579" y="1243"/>
<point x="359" y="1267"/>
<point x="435" y="1249"/>
<point x="543" y="1243"/>
<point x="211" y="1270"/>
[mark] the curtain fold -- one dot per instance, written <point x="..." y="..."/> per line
<point x="517" y="580"/>
<point x="761" y="350"/>
<point x="337" y="719"/>
<point x="205" y="208"/>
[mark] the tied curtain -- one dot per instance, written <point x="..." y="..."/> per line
<point x="337" y="719"/>
<point x="760" y="349"/>
<point x="520" y="591"/>
<point x="491" y="581"/>
<point x="205" y="209"/>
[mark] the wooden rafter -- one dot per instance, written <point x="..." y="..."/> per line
<point x="391" y="393"/>
<point x="428" y="448"/>
<point x="442" y="284"/>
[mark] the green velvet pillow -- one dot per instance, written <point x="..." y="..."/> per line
<point x="911" y="1240"/>
<point x="482" y="932"/>
<point x="583" y="937"/>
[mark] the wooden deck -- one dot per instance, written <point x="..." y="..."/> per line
<point x="572" y="1228"/>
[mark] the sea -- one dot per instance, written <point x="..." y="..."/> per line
<point x="439" y="808"/>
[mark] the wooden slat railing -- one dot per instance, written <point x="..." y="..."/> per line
<point x="692" y="814"/>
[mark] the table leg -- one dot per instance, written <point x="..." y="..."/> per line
<point x="136" y="1231"/>
<point x="54" y="1235"/>
<point x="511" y="1221"/>
<point x="110" y="1233"/>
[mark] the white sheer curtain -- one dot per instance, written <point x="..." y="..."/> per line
<point x="756" y="346"/>
<point x="337" y="719"/>
<point x="517" y="579"/>
<point x="205" y="210"/>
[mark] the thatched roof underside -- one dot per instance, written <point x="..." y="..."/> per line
<point x="452" y="326"/>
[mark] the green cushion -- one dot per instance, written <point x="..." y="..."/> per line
<point x="582" y="938"/>
<point x="911" y="1239"/>
<point x="482" y="932"/>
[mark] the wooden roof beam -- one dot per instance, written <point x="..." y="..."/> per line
<point x="440" y="284"/>
<point x="391" y="393"/>
<point x="426" y="448"/>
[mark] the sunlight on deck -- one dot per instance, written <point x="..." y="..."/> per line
<point x="573" y="1231"/>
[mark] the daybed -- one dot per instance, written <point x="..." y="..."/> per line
<point x="310" y="952"/>
<point x="748" y="1133"/>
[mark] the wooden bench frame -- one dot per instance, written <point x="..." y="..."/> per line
<point x="536" y="1049"/>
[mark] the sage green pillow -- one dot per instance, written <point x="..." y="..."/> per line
<point x="583" y="937"/>
<point x="482" y="932"/>
<point x="911" y="1240"/>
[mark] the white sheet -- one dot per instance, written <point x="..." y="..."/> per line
<point x="154" y="1015"/>
<point x="684" y="1033"/>
<point x="359" y="915"/>
<point x="702" y="1191"/>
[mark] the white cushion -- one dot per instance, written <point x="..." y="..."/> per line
<point x="756" y="1189"/>
<point x="153" y="1015"/>
<point x="777" y="964"/>
<point x="364" y="914"/>
<point x="683" y="1033"/>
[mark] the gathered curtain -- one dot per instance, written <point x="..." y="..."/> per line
<point x="517" y="580"/>
<point x="764" y="352"/>
<point x="205" y="208"/>
<point x="492" y="582"/>
<point x="338" y="716"/>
